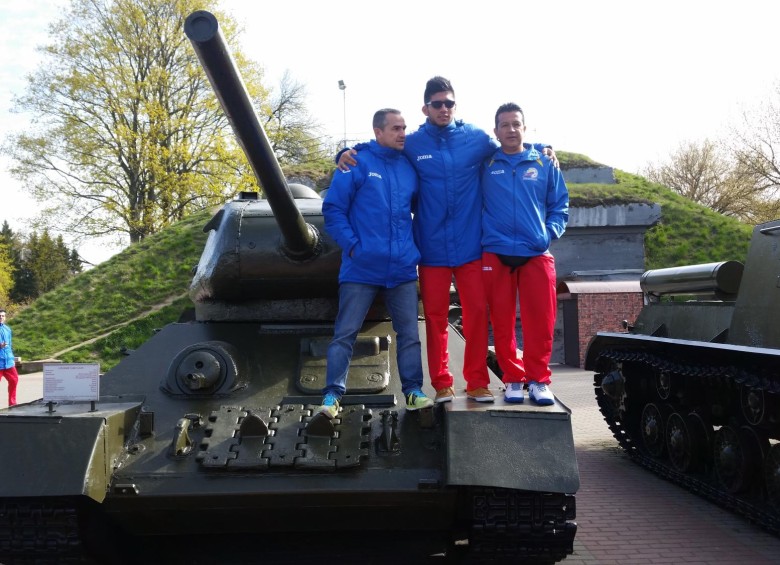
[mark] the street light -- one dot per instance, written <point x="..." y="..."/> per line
<point x="343" y="88"/>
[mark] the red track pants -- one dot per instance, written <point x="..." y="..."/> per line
<point x="435" y="291"/>
<point x="534" y="283"/>
<point x="13" y="379"/>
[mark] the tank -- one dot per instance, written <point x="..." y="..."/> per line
<point x="197" y="450"/>
<point x="690" y="390"/>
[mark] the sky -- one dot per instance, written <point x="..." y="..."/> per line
<point x="622" y="82"/>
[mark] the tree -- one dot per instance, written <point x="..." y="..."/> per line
<point x="35" y="265"/>
<point x="289" y="126"/>
<point x="757" y="149"/>
<point x="129" y="136"/>
<point x="6" y="274"/>
<point x="706" y="173"/>
<point x="11" y="244"/>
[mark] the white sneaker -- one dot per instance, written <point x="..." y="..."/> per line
<point x="514" y="392"/>
<point x="540" y="393"/>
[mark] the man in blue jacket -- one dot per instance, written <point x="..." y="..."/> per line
<point x="447" y="154"/>
<point x="7" y="360"/>
<point x="368" y="211"/>
<point x="526" y="206"/>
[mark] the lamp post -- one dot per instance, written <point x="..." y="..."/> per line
<point x="343" y="89"/>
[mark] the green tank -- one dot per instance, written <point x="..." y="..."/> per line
<point x="197" y="450"/>
<point x="690" y="390"/>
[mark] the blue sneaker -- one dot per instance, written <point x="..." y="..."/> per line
<point x="330" y="406"/>
<point x="416" y="399"/>
<point x="540" y="393"/>
<point x="514" y="392"/>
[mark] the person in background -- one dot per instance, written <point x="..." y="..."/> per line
<point x="7" y="359"/>
<point x="525" y="207"/>
<point x="447" y="154"/>
<point x="368" y="211"/>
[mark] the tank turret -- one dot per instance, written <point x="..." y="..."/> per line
<point x="691" y="389"/>
<point x="265" y="258"/>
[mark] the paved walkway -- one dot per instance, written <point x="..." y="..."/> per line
<point x="30" y="388"/>
<point x="627" y="515"/>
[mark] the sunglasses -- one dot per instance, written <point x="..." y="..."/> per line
<point x="437" y="104"/>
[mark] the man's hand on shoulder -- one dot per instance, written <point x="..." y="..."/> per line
<point x="347" y="160"/>
<point x="551" y="154"/>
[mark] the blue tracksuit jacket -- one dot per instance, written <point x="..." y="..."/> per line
<point x="526" y="203"/>
<point x="368" y="210"/>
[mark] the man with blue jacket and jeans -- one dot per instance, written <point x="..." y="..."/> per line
<point x="368" y="211"/>
<point x="447" y="154"/>
<point x="526" y="206"/>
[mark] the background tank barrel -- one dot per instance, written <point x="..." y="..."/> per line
<point x="300" y="240"/>
<point x="720" y="279"/>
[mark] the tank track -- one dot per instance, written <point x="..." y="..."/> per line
<point x="36" y="532"/>
<point x="510" y="526"/>
<point x="704" y="484"/>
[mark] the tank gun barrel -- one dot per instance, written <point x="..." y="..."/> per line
<point x="300" y="240"/>
<point x="721" y="279"/>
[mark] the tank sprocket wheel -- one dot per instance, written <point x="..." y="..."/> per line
<point x="772" y="474"/>
<point x="652" y="429"/>
<point x="753" y="404"/>
<point x="663" y="384"/>
<point x="686" y="441"/>
<point x="613" y="385"/>
<point x="738" y="455"/>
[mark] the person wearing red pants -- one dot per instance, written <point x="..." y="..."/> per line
<point x="447" y="153"/>
<point x="525" y="207"/>
<point x="7" y="360"/>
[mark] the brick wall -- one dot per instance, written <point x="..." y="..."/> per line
<point x="604" y="313"/>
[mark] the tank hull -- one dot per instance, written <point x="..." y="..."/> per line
<point x="185" y="463"/>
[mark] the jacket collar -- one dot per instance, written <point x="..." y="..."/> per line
<point x="433" y="129"/>
<point x="530" y="154"/>
<point x="382" y="151"/>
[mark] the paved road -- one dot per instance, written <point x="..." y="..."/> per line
<point x="625" y="514"/>
<point x="30" y="388"/>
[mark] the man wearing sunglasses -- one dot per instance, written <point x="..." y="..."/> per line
<point x="447" y="154"/>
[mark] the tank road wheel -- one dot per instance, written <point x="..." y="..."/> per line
<point x="686" y="441"/>
<point x="652" y="429"/>
<point x="738" y="456"/>
<point x="772" y="474"/>
<point x="753" y="405"/>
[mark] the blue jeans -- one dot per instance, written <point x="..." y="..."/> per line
<point x="354" y="301"/>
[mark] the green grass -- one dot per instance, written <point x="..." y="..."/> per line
<point x="108" y="350"/>
<point x="687" y="233"/>
<point x="158" y="270"/>
<point x="124" y="287"/>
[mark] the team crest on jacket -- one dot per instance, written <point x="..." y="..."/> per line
<point x="531" y="174"/>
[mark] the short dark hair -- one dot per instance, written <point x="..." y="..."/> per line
<point x="509" y="107"/>
<point x="435" y="85"/>
<point x="380" y="117"/>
